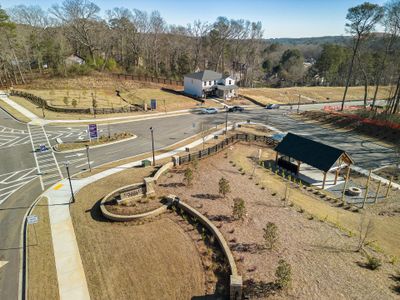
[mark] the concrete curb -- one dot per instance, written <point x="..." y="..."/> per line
<point x="92" y="147"/>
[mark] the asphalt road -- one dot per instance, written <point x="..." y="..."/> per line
<point x="18" y="167"/>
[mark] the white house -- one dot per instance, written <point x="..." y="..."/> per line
<point x="209" y="83"/>
<point x="74" y="60"/>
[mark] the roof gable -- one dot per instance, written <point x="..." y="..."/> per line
<point x="315" y="154"/>
<point x="205" y="75"/>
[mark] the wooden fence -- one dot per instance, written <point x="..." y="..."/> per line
<point x="148" y="79"/>
<point x="245" y="137"/>
<point x="43" y="103"/>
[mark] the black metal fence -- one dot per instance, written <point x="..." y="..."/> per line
<point x="245" y="137"/>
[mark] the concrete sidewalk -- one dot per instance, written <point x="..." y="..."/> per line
<point x="27" y="113"/>
<point x="70" y="272"/>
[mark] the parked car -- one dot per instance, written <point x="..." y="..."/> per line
<point x="272" y="106"/>
<point x="235" y="108"/>
<point x="209" y="110"/>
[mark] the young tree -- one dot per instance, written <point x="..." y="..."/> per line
<point x="224" y="187"/>
<point x="283" y="274"/>
<point x="74" y="103"/>
<point x="239" y="209"/>
<point x="270" y="235"/>
<point x="188" y="177"/>
<point x="362" y="20"/>
<point x="66" y="101"/>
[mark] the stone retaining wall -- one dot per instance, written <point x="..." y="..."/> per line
<point x="235" y="279"/>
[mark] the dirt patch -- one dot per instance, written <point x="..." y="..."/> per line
<point x="320" y="254"/>
<point x="309" y="94"/>
<point x="42" y="274"/>
<point x="382" y="133"/>
<point x="155" y="260"/>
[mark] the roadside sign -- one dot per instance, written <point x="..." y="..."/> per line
<point x="33" y="219"/>
<point x="42" y="148"/>
<point x="93" y="134"/>
<point x="153" y="103"/>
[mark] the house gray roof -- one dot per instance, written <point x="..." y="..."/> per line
<point x="227" y="87"/>
<point x="315" y="154"/>
<point x="205" y="75"/>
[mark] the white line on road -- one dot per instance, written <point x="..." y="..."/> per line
<point x="3" y="263"/>
<point x="85" y="164"/>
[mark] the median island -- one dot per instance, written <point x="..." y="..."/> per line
<point x="101" y="141"/>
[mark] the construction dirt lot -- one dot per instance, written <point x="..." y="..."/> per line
<point x="318" y="239"/>
<point x="309" y="94"/>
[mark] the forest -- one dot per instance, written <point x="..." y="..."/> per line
<point x="37" y="41"/>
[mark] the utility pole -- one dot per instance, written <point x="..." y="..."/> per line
<point x="69" y="179"/>
<point x="152" y="146"/>
<point x="88" y="159"/>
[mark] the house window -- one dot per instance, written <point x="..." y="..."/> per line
<point x="230" y="81"/>
<point x="205" y="83"/>
<point x="209" y="82"/>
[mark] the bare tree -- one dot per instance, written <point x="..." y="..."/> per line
<point x="363" y="19"/>
<point x="79" y="18"/>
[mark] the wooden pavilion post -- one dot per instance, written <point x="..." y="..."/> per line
<point x="323" y="183"/>
<point x="276" y="157"/>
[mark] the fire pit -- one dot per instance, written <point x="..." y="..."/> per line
<point x="354" y="191"/>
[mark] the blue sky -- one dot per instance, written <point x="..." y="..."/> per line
<point x="280" y="18"/>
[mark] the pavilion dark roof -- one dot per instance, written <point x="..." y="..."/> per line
<point x="315" y="154"/>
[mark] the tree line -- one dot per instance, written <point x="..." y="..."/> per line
<point x="142" y="43"/>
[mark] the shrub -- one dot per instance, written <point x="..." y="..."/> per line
<point x="283" y="274"/>
<point x="188" y="177"/>
<point x="270" y="235"/>
<point x="74" y="103"/>
<point x="373" y="262"/>
<point x="195" y="163"/>
<point x="66" y="101"/>
<point x="239" y="209"/>
<point x="224" y="187"/>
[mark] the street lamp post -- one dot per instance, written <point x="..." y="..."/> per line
<point x="88" y="158"/>
<point x="70" y="183"/>
<point x="152" y="146"/>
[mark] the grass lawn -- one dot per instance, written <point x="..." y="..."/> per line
<point x="291" y="95"/>
<point x="108" y="99"/>
<point x="42" y="274"/>
<point x="155" y="260"/>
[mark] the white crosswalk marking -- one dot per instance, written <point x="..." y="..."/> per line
<point x="10" y="182"/>
<point x="12" y="137"/>
<point x="45" y="160"/>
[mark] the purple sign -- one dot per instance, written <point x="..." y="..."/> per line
<point x="93" y="131"/>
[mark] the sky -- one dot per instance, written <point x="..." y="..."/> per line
<point x="280" y="18"/>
